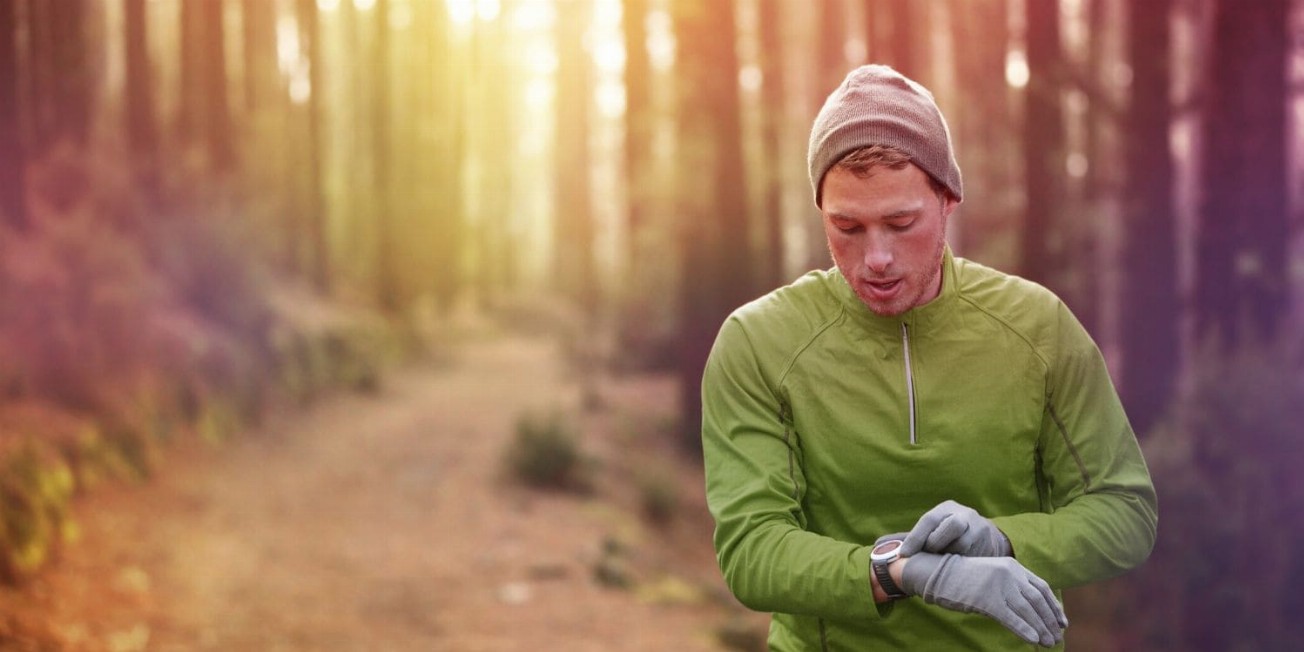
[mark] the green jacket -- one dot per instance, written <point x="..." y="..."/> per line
<point x="826" y="426"/>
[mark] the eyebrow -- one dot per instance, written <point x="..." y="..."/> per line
<point x="894" y="215"/>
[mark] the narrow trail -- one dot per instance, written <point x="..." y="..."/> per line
<point x="385" y="523"/>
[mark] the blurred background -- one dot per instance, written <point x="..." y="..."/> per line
<point x="467" y="257"/>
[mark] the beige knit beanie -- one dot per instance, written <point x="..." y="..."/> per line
<point x="876" y="105"/>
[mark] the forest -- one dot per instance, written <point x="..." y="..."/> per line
<point x="220" y="217"/>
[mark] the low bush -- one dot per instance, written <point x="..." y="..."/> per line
<point x="658" y="492"/>
<point x="546" y="454"/>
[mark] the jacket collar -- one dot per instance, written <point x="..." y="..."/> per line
<point x="919" y="319"/>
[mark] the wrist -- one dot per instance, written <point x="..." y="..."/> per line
<point x="894" y="570"/>
<point x="886" y="565"/>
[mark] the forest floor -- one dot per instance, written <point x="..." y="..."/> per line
<point x="388" y="522"/>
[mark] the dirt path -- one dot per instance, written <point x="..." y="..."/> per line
<point x="385" y="523"/>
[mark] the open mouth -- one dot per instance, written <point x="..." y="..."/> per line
<point x="884" y="286"/>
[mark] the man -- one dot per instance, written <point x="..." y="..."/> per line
<point x="909" y="390"/>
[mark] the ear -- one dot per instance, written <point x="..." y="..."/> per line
<point x="949" y="204"/>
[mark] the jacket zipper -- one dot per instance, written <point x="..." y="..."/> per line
<point x="910" y="379"/>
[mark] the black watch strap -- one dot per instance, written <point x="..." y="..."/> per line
<point x="885" y="582"/>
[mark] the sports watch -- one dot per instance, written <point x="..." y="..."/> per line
<point x="883" y="554"/>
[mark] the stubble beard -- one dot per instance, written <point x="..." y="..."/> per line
<point x="903" y="304"/>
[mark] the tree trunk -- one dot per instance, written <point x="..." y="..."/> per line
<point x="217" y="113"/>
<point x="831" y="49"/>
<point x="639" y="117"/>
<point x="258" y="32"/>
<point x="42" y="79"/>
<point x="497" y="257"/>
<point x="190" y="109"/>
<point x="890" y="35"/>
<point x="1242" y="286"/>
<point x="831" y="68"/>
<point x="13" y="204"/>
<point x="982" y="130"/>
<point x="387" y="258"/>
<point x="574" y="214"/>
<point x="141" y="119"/>
<point x="314" y="207"/>
<point x="1150" y="294"/>
<point x="449" y="84"/>
<point x="773" y="113"/>
<point x="714" y="228"/>
<point x="72" y="81"/>
<point x="1043" y="237"/>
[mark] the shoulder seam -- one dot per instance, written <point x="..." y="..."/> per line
<point x="819" y="330"/>
<point x="1010" y="327"/>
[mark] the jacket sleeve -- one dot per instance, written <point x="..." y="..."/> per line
<point x="1101" y="511"/>
<point x="755" y="487"/>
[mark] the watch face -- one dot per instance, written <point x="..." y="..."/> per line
<point x="886" y="552"/>
<point x="887" y="547"/>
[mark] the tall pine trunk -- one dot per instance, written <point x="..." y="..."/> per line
<point x="314" y="208"/>
<point x="258" y="43"/>
<point x="892" y="35"/>
<point x="13" y="205"/>
<point x="1150" y="299"/>
<point x="217" y="133"/>
<point x="1242" y="288"/>
<point x="1043" y="236"/>
<point x="982" y="130"/>
<point x="573" y="252"/>
<point x="714" y="230"/>
<point x="141" y="118"/>
<point x="387" y="251"/>
<point x="831" y="67"/>
<point x="448" y="85"/>
<point x="773" y="118"/>
<point x="639" y="116"/>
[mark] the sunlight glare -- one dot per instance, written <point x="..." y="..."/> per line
<point x="750" y="78"/>
<point x="328" y="5"/>
<point x="611" y="99"/>
<point x="542" y="59"/>
<point x="300" y="83"/>
<point x="1076" y="164"/>
<point x="400" y="16"/>
<point x="1016" y="69"/>
<point x="855" y="50"/>
<point x="538" y="93"/>
<point x="660" y="40"/>
<point x="488" y="10"/>
<point x="287" y="44"/>
<point x="534" y="16"/>
<point x="610" y="55"/>
<point x="461" y="11"/>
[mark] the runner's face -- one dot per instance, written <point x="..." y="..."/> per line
<point x="887" y="232"/>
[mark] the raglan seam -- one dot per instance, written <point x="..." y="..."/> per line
<point x="815" y="335"/>
<point x="1064" y="433"/>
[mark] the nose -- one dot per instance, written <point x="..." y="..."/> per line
<point x="878" y="254"/>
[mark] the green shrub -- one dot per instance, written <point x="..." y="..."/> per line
<point x="35" y="489"/>
<point x="546" y="454"/>
<point x="658" y="492"/>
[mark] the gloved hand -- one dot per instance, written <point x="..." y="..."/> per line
<point x="952" y="527"/>
<point x="997" y="587"/>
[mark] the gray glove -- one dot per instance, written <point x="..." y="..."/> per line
<point x="952" y="527"/>
<point x="997" y="587"/>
